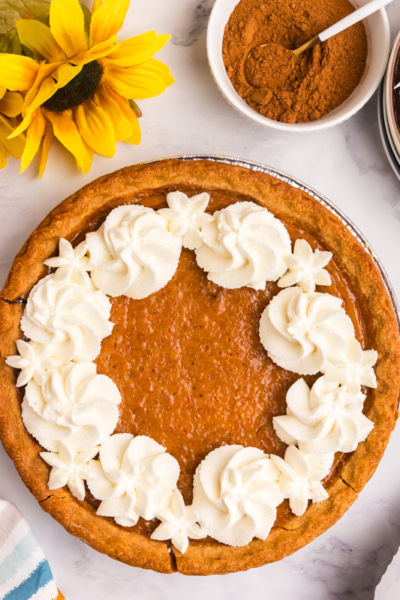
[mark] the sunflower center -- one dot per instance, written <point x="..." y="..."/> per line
<point x="80" y="88"/>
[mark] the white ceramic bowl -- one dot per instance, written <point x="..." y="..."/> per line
<point x="393" y="131"/>
<point x="377" y="27"/>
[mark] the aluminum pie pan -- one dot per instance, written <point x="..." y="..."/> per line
<point x="255" y="166"/>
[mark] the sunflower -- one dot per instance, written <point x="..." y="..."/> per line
<point x="80" y="82"/>
<point x="10" y="106"/>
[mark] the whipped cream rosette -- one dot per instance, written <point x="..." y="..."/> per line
<point x="301" y="330"/>
<point x="178" y="524"/>
<point x="76" y="404"/>
<point x="306" y="268"/>
<point x="72" y="264"/>
<point x="353" y="368"/>
<point x="236" y="493"/>
<point x="325" y="419"/>
<point x="73" y="411"/>
<point x="186" y="217"/>
<point x="69" y="468"/>
<point x="133" y="253"/>
<point x="67" y="313"/>
<point x="134" y="477"/>
<point x="244" y="245"/>
<point x="37" y="361"/>
<point x="300" y="477"/>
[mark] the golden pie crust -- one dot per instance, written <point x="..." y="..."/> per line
<point x="78" y="213"/>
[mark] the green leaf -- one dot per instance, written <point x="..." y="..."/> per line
<point x="135" y="108"/>
<point x="9" y="42"/>
<point x="45" y="19"/>
<point x="13" y="10"/>
<point x="87" y="17"/>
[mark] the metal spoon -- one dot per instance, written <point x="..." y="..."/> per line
<point x="351" y="19"/>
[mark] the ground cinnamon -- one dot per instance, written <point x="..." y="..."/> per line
<point x="271" y="79"/>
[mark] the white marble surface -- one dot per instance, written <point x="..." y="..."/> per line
<point x="348" y="165"/>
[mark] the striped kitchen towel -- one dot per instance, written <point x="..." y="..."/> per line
<point x="24" y="571"/>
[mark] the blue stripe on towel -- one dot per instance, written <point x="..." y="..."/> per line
<point x="37" y="580"/>
<point x="15" y="560"/>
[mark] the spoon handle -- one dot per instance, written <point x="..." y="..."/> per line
<point x="354" y="17"/>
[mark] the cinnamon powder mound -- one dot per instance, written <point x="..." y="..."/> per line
<point x="271" y="79"/>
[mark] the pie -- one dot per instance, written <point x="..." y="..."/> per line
<point x="191" y="369"/>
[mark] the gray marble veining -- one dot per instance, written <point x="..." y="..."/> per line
<point x="197" y="13"/>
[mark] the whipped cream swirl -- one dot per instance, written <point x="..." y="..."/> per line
<point x="300" y="477"/>
<point x="76" y="405"/>
<point x="73" y="265"/>
<point x="353" y="369"/>
<point x="236" y="493"/>
<point x="244" y="245"/>
<point x="134" y="477"/>
<point x="178" y="524"/>
<point x="69" y="468"/>
<point x="326" y="419"/>
<point x="66" y="313"/>
<point x="300" y="330"/>
<point x="186" y="217"/>
<point x="37" y="360"/>
<point x="306" y="268"/>
<point x="133" y="253"/>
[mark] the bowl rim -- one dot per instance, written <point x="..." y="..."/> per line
<point x="384" y="135"/>
<point x="390" y="131"/>
<point x="238" y="103"/>
<point x="388" y="93"/>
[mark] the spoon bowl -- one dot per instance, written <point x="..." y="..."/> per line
<point x="287" y="67"/>
<point x="298" y="51"/>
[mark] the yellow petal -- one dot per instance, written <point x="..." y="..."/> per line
<point x="143" y="81"/>
<point x="3" y="156"/>
<point x="45" y="70"/>
<point x="67" y="133"/>
<point x="22" y="126"/>
<point x="59" y="79"/>
<point x="129" y="114"/>
<point x="11" y="104"/>
<point x="138" y="49"/>
<point x="96" y="128"/>
<point x="65" y="73"/>
<point x="107" y="20"/>
<point x="121" y="123"/>
<point x="67" y="26"/>
<point x="158" y="68"/>
<point x="47" y="89"/>
<point x="48" y="138"/>
<point x="16" y="146"/>
<point x="33" y="139"/>
<point x="2" y="90"/>
<point x="38" y="38"/>
<point x="96" y="52"/>
<point x="136" y="133"/>
<point x="17" y="73"/>
<point x="96" y="5"/>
